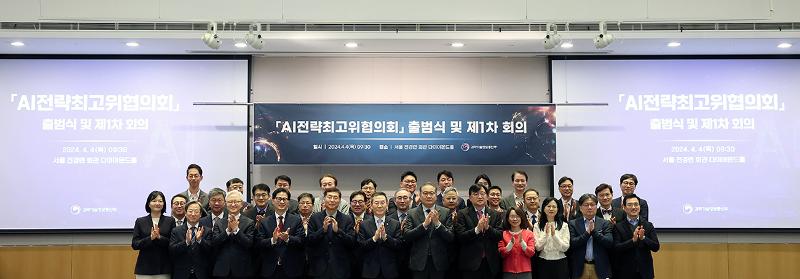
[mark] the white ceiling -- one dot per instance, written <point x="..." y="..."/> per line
<point x="483" y="44"/>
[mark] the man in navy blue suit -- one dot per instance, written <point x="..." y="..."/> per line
<point x="634" y="240"/>
<point x="380" y="241"/>
<point x="189" y="246"/>
<point x="330" y="238"/>
<point x="280" y="240"/>
<point x="590" y="241"/>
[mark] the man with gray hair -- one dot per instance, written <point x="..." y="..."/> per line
<point x="232" y="238"/>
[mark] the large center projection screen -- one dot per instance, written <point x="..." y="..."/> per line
<point x="714" y="143"/>
<point x="85" y="141"/>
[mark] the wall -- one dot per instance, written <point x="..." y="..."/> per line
<point x="399" y="80"/>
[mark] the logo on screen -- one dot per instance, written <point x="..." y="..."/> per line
<point x="75" y="209"/>
<point x="688" y="209"/>
<point x="465" y="146"/>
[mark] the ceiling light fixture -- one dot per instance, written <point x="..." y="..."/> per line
<point x="566" y="45"/>
<point x="784" y="45"/>
<point x="211" y="38"/>
<point x="351" y="44"/>
<point x="603" y="39"/>
<point x="18" y="44"/>
<point x="132" y="44"/>
<point x="253" y="37"/>
<point x="674" y="44"/>
<point x="457" y="44"/>
<point x="552" y="40"/>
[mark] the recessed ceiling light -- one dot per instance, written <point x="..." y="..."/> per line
<point x="785" y="45"/>
<point x="17" y="44"/>
<point x="351" y="45"/>
<point x="566" y="45"/>
<point x="132" y="44"/>
<point x="674" y="44"/>
<point x="241" y="45"/>
<point x="457" y="44"/>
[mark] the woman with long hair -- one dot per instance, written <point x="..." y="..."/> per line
<point x="552" y="241"/>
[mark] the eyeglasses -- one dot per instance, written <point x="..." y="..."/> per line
<point x="409" y="181"/>
<point x="261" y="195"/>
<point x="357" y="201"/>
<point x="628" y="183"/>
<point x="283" y="199"/>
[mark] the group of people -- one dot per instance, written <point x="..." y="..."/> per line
<point x="425" y="232"/>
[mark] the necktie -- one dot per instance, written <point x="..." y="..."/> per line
<point x="480" y="214"/>
<point x="427" y="211"/>
<point x="633" y="222"/>
<point x="194" y="229"/>
<point x="380" y="222"/>
<point x="566" y="210"/>
<point x="402" y="217"/>
<point x="216" y="220"/>
<point x="179" y="222"/>
<point x="280" y="223"/>
<point x="589" y="246"/>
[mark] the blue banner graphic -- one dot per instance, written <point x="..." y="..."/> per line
<point x="507" y="134"/>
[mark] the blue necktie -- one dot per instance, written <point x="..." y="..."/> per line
<point x="193" y="235"/>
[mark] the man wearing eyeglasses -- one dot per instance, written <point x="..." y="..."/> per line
<point x="280" y="240"/>
<point x="178" y="210"/>
<point x="635" y="239"/>
<point x="261" y="206"/>
<point x="358" y="212"/>
<point x="627" y="184"/>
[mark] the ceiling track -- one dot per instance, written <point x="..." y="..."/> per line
<point x="382" y="27"/>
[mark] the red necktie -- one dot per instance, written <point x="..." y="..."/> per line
<point x="280" y="223"/>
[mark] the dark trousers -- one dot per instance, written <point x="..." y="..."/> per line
<point x="429" y="272"/>
<point x="280" y="273"/>
<point x="482" y="272"/>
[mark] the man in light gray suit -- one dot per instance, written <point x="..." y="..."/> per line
<point x="519" y="180"/>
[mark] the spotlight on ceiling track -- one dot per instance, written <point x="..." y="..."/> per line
<point x="552" y="40"/>
<point x="211" y="38"/>
<point x="603" y="39"/>
<point x="253" y="37"/>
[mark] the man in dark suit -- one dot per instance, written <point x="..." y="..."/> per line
<point x="233" y="240"/>
<point x="330" y="239"/>
<point x="590" y="241"/>
<point x="261" y="206"/>
<point x="379" y="237"/>
<point x="635" y="239"/>
<point x="358" y="212"/>
<point x="408" y="182"/>
<point x="189" y="246"/>
<point x="519" y="180"/>
<point x="216" y="204"/>
<point x="478" y="230"/>
<point x="283" y="181"/>
<point x="570" y="205"/>
<point x="428" y="229"/>
<point x="445" y="179"/>
<point x="402" y="199"/>
<point x="605" y="210"/>
<point x="280" y="240"/>
<point x="194" y="175"/>
<point x="627" y="185"/>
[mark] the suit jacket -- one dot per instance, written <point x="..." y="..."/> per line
<point x="393" y="207"/>
<point x="635" y="256"/>
<point x="233" y="257"/>
<point x="473" y="245"/>
<point x="330" y="250"/>
<point x="290" y="253"/>
<point x="344" y="205"/>
<point x="602" y="243"/>
<point x="253" y="211"/>
<point x="508" y="202"/>
<point x="615" y="212"/>
<point x="575" y="209"/>
<point x="202" y="198"/>
<point x="643" y="208"/>
<point x="422" y="240"/>
<point x="153" y="255"/>
<point x="192" y="258"/>
<point x="379" y="258"/>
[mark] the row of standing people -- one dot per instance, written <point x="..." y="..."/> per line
<point x="469" y="229"/>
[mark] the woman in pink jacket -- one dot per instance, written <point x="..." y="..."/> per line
<point x="517" y="246"/>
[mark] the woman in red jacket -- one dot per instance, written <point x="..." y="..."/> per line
<point x="517" y="246"/>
